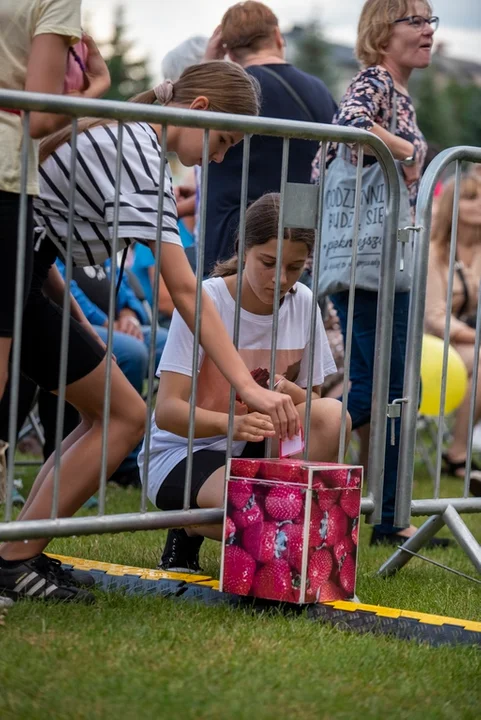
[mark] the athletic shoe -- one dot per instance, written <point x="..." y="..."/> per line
<point x="181" y="552"/>
<point x="78" y="578"/>
<point x="41" y="578"/>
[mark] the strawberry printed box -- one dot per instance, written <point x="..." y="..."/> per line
<point x="291" y="530"/>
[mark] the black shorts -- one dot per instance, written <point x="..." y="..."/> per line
<point x="42" y="333"/>
<point x="9" y="208"/>
<point x="205" y="462"/>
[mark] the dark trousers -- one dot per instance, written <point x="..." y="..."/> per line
<point x="362" y="372"/>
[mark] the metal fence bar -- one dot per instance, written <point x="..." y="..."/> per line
<point x="238" y="296"/>
<point x="351" y="301"/>
<point x="154" y="321"/>
<point x="110" y="325"/>
<point x="404" y="503"/>
<point x="18" y="316"/>
<point x="316" y="263"/>
<point x="474" y="392"/>
<point x="247" y="125"/>
<point x="62" y="375"/>
<point x="198" y="309"/>
<point x="449" y="303"/>
<point x="277" y="287"/>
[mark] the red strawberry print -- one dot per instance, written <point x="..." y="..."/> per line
<point x="330" y="592"/>
<point x="239" y="493"/>
<point x="342" y="548"/>
<point x="289" y="544"/>
<point x="229" y="530"/>
<point x="284" y="503"/>
<point x="242" y="467"/>
<point x="296" y="591"/>
<point x="333" y="526"/>
<point x="341" y="476"/>
<point x="319" y="569"/>
<point x="347" y="576"/>
<point x="260" y="541"/>
<point x="274" y="581"/>
<point x="351" y="502"/>
<point x="314" y="524"/>
<point x="355" y="531"/>
<point x="326" y="498"/>
<point x="289" y="471"/>
<point x="239" y="570"/>
<point x="248" y="515"/>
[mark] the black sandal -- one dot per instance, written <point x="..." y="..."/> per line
<point x="450" y="468"/>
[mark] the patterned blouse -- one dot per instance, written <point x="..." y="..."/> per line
<point x="368" y="101"/>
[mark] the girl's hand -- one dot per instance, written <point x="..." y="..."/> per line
<point x="278" y="406"/>
<point x="215" y="49"/>
<point x="286" y="387"/>
<point x="97" y="71"/>
<point x="253" y="427"/>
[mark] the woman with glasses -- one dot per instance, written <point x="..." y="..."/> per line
<point x="394" y="37"/>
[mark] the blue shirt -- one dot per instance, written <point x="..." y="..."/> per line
<point x="126" y="298"/>
<point x="224" y="186"/>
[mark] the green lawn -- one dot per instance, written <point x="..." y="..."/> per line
<point x="145" y="657"/>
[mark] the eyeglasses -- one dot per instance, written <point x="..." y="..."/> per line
<point x="418" y="22"/>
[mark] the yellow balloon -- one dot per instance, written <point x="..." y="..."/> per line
<point x="431" y="373"/>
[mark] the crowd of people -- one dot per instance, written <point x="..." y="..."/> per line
<point x="241" y="69"/>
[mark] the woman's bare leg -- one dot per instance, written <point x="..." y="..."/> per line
<point x="50" y="462"/>
<point x="80" y="469"/>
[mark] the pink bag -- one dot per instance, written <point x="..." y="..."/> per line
<point x="75" y="78"/>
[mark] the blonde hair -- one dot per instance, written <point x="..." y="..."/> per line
<point x="470" y="189"/>
<point x="262" y="220"/>
<point x="227" y="86"/>
<point x="375" y="27"/>
<point x="248" y="27"/>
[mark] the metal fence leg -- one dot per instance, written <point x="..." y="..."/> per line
<point x="397" y="561"/>
<point x="463" y="536"/>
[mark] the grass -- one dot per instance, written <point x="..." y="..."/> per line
<point x="143" y="657"/>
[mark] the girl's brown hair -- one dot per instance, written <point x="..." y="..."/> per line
<point x="226" y="85"/>
<point x="248" y="26"/>
<point x="262" y="221"/>
<point x="376" y="25"/>
<point x="470" y="189"/>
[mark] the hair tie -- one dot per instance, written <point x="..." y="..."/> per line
<point x="164" y="92"/>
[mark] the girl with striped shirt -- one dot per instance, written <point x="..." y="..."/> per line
<point x="219" y="86"/>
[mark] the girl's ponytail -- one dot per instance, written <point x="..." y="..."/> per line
<point x="227" y="267"/>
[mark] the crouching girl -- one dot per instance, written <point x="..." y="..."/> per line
<point x="170" y="422"/>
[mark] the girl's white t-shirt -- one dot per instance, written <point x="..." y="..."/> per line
<point x="292" y="358"/>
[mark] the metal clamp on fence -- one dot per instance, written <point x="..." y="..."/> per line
<point x="404" y="236"/>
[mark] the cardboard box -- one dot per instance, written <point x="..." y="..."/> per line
<point x="291" y="530"/>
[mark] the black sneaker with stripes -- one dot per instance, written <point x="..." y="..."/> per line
<point x="40" y="578"/>
<point x="181" y="552"/>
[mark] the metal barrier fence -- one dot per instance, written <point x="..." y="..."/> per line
<point x="443" y="511"/>
<point x="297" y="202"/>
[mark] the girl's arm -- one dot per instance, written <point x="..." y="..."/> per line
<point x="298" y="394"/>
<point x="166" y="306"/>
<point x="215" y="339"/>
<point x="172" y="414"/>
<point x="46" y="69"/>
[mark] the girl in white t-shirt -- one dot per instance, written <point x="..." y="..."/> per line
<point x="170" y="422"/>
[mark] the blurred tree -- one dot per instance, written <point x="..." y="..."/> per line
<point x="128" y="76"/>
<point x="434" y="112"/>
<point x="313" y="55"/>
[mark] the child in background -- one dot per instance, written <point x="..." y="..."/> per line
<point x="170" y="422"/>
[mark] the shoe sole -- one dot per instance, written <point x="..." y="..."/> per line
<point x="185" y="571"/>
<point x="14" y="597"/>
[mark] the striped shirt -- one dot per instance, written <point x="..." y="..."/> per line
<point x="95" y="193"/>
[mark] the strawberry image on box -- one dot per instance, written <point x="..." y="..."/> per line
<point x="291" y="530"/>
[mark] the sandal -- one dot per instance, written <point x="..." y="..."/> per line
<point x="451" y="468"/>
